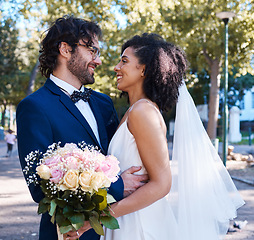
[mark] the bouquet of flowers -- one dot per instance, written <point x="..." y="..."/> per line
<point x="74" y="180"/>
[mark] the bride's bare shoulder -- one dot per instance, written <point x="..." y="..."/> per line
<point x="144" y="114"/>
<point x="143" y="108"/>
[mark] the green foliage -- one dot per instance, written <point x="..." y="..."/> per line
<point x="11" y="76"/>
<point x="109" y="222"/>
<point x="198" y="86"/>
<point x="237" y="87"/>
<point x="191" y="24"/>
<point x="95" y="224"/>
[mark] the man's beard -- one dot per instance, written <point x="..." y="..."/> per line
<point x="78" y="67"/>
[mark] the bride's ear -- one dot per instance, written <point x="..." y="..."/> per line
<point x="143" y="71"/>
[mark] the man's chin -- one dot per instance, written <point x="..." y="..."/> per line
<point x="88" y="81"/>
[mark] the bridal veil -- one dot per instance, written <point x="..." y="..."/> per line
<point x="203" y="195"/>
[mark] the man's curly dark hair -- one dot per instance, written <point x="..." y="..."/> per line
<point x="165" y="67"/>
<point x="67" y="29"/>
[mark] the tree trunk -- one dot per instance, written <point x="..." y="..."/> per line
<point x="3" y="115"/>
<point x="31" y="84"/>
<point x="213" y="99"/>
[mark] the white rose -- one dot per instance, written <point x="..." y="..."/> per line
<point x="99" y="180"/>
<point x="70" y="179"/>
<point x="43" y="171"/>
<point x="85" y="181"/>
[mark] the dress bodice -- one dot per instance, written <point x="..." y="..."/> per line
<point x="123" y="146"/>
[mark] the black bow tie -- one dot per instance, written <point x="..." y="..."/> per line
<point x="76" y="95"/>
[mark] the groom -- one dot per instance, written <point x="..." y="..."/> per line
<point x="63" y="110"/>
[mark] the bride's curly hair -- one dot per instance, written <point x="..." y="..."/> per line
<point x="67" y="29"/>
<point x="165" y="67"/>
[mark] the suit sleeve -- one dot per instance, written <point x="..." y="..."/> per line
<point x="33" y="133"/>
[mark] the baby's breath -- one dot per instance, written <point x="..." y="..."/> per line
<point x="32" y="161"/>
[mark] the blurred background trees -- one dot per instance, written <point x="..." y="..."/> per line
<point x="191" y="24"/>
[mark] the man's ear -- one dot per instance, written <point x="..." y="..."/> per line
<point x="65" y="49"/>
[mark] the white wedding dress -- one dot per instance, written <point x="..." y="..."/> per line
<point x="151" y="223"/>
<point x="203" y="197"/>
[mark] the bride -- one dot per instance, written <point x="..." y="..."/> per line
<point x="190" y="197"/>
<point x="203" y="197"/>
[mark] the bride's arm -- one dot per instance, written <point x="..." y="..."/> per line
<point x="149" y="131"/>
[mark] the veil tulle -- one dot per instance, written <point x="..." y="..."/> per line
<point x="203" y="195"/>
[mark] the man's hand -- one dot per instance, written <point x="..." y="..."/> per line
<point x="131" y="181"/>
<point x="73" y="235"/>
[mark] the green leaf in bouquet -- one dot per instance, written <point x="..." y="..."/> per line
<point x="87" y="206"/>
<point x="87" y="197"/>
<point x="107" y="212"/>
<point x="43" y="207"/>
<point x="61" y="220"/>
<point x="46" y="200"/>
<point x="75" y="201"/>
<point x="53" y="206"/>
<point x="60" y="202"/>
<point x="95" y="224"/>
<point x="97" y="198"/>
<point x="77" y="226"/>
<point x="109" y="222"/>
<point x="78" y="207"/>
<point x="110" y="198"/>
<point x="65" y="229"/>
<point x="66" y="194"/>
<point x="77" y="218"/>
<point x="53" y="219"/>
<point x="68" y="211"/>
<point x="44" y="187"/>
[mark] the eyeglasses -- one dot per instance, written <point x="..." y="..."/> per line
<point x="94" y="50"/>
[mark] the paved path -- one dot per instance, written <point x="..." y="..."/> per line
<point x="18" y="218"/>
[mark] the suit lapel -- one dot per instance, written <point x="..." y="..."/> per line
<point x="100" y="122"/>
<point x="70" y="106"/>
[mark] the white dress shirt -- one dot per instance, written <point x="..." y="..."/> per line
<point x="83" y="106"/>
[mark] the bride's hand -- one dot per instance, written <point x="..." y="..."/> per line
<point x="131" y="181"/>
<point x="73" y="235"/>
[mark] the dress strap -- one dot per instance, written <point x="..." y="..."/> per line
<point x="146" y="100"/>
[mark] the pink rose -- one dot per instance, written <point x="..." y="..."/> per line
<point x="56" y="175"/>
<point x="78" y="153"/>
<point x="110" y="167"/>
<point x="72" y="163"/>
<point x="86" y="156"/>
<point x="52" y="161"/>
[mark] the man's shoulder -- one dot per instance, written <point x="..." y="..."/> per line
<point x="101" y="96"/>
<point x="37" y="98"/>
<point x="35" y="95"/>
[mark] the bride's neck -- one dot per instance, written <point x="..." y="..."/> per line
<point x="135" y="97"/>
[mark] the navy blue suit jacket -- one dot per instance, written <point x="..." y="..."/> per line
<point x="47" y="116"/>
